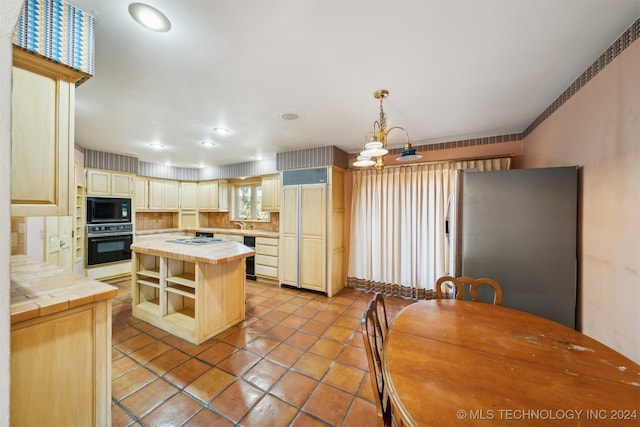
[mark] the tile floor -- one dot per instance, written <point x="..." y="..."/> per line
<point x="296" y="360"/>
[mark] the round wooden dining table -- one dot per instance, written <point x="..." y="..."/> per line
<point x="450" y="362"/>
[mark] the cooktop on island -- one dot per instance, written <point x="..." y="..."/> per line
<point x="196" y="240"/>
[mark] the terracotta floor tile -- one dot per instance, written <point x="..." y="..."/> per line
<point x="314" y="327"/>
<point x="119" y="418"/>
<point x="150" y="352"/>
<point x="304" y="340"/>
<point x="275" y="315"/>
<point x="130" y="382"/>
<point x="326" y="317"/>
<point x="271" y="303"/>
<point x="354" y="313"/>
<point x="173" y="341"/>
<point x="294" y="321"/>
<point x="339" y="334"/>
<point x="328" y="404"/>
<point x="327" y="348"/>
<point x="124" y="334"/>
<point x="270" y="412"/>
<point x="305" y="311"/>
<point x="264" y="374"/>
<point x="294" y="388"/>
<point x="209" y="384"/>
<point x="239" y="362"/>
<point x="344" y="377"/>
<point x="262" y="345"/>
<point x="336" y="308"/>
<point x="217" y="353"/>
<point x="116" y="354"/>
<point x="313" y="365"/>
<point x="280" y="332"/>
<point x="288" y="307"/>
<point x="306" y="420"/>
<point x="172" y="412"/>
<point x="257" y="311"/>
<point x="186" y="373"/>
<point x="193" y="349"/>
<point x="136" y="342"/>
<point x="148" y="397"/>
<point x="365" y="391"/>
<point x="235" y="401"/>
<point x="361" y="414"/>
<point x="167" y="361"/>
<point x="157" y="333"/>
<point x="208" y="418"/>
<point x="258" y="325"/>
<point x="348" y="322"/>
<point x="285" y="354"/>
<point x="121" y="366"/>
<point x="354" y="356"/>
<point x="239" y="337"/>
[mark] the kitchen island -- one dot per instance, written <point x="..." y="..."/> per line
<point x="193" y="291"/>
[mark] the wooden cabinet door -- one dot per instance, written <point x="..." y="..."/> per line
<point x="204" y="195"/>
<point x="156" y="194"/>
<point x="171" y="195"/>
<point x="141" y="194"/>
<point x="313" y="222"/>
<point x="59" y="241"/>
<point x="188" y="195"/>
<point x="42" y="133"/>
<point x="268" y="196"/>
<point x="98" y="183"/>
<point x="289" y="240"/>
<point x="121" y="184"/>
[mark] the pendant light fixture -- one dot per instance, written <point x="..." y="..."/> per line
<point x="375" y="142"/>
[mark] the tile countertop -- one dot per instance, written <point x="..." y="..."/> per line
<point x="213" y="253"/>
<point x="39" y="289"/>
<point x="236" y="231"/>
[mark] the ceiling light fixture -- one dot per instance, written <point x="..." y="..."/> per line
<point x="221" y="131"/>
<point x="156" y="145"/>
<point x="208" y="144"/>
<point x="149" y="17"/>
<point x="375" y="142"/>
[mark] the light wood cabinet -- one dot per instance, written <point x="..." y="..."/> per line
<point x="164" y="195"/>
<point x="58" y="242"/>
<point x="42" y="132"/>
<point x="213" y="195"/>
<point x="271" y="188"/>
<point x="107" y="183"/>
<point x="61" y="368"/>
<point x="267" y="259"/>
<point x="79" y="224"/>
<point x="312" y="243"/>
<point x="189" y="196"/>
<point x="192" y="300"/>
<point x="141" y="194"/>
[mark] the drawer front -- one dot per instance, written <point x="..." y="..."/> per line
<point x="266" y="250"/>
<point x="266" y="260"/>
<point x="263" y="270"/>
<point x="267" y="241"/>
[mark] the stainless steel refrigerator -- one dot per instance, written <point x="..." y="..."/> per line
<point x="519" y="227"/>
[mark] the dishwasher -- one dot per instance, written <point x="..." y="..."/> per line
<point x="250" y="241"/>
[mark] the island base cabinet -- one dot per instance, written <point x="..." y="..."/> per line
<point x="61" y="368"/>
<point x="192" y="300"/>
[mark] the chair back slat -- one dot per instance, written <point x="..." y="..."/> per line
<point x="460" y="283"/>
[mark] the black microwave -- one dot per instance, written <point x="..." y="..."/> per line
<point x="102" y="210"/>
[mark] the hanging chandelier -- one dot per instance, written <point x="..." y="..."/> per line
<point x="375" y="142"/>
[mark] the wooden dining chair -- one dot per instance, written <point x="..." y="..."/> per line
<point x="460" y="283"/>
<point x="381" y="311"/>
<point x="372" y="335"/>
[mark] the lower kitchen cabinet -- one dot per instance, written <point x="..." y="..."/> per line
<point x="266" y="259"/>
<point x="192" y="300"/>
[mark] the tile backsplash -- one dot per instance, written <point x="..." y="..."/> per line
<point x="18" y="235"/>
<point x="155" y="220"/>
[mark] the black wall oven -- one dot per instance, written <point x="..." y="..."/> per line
<point x="108" y="210"/>
<point x="107" y="243"/>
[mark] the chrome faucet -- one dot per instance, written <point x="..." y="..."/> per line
<point x="242" y="225"/>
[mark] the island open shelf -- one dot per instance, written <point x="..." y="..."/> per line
<point x="193" y="292"/>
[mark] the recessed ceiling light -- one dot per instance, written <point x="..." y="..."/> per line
<point x="208" y="144"/>
<point x="167" y="163"/>
<point x="221" y="131"/>
<point x="149" y="17"/>
<point x="288" y="115"/>
<point x="156" y="145"/>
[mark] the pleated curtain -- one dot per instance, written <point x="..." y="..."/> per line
<point x="398" y="244"/>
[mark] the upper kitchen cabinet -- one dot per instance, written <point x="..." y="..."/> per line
<point x="164" y="195"/>
<point x="42" y="174"/>
<point x="106" y="183"/>
<point x="188" y="196"/>
<point x="213" y="196"/>
<point x="141" y="194"/>
<point x="52" y="54"/>
<point x="271" y="192"/>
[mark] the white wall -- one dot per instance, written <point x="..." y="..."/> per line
<point x="9" y="10"/>
<point x="599" y="129"/>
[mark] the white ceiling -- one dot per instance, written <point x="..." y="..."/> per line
<point x="455" y="69"/>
